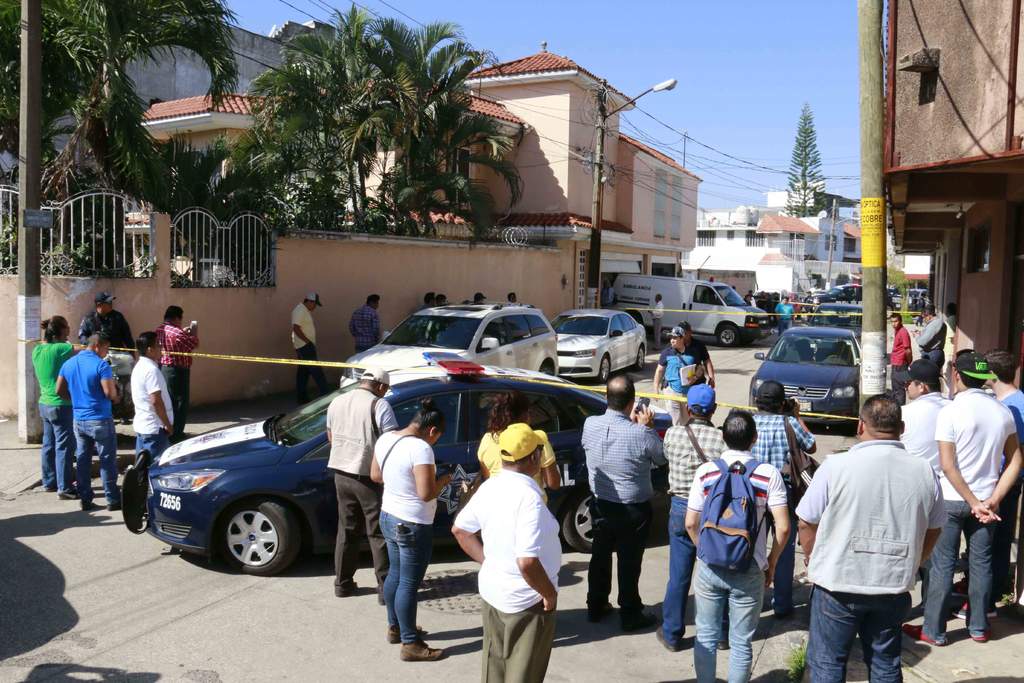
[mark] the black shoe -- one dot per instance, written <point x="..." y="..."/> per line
<point x="596" y="614"/>
<point x="346" y="591"/>
<point x="784" y="615"/>
<point x="68" y="495"/>
<point x="87" y="505"/>
<point x="113" y="507"/>
<point x="638" y="622"/>
<point x="723" y="645"/>
<point x="676" y="647"/>
<point x="50" y="489"/>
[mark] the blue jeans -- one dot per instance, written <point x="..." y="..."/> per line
<point x="782" y="586"/>
<point x="943" y="562"/>
<point x="785" y="324"/>
<point x="838" y="618"/>
<point x="58" y="452"/>
<point x="1001" y="542"/>
<point x="714" y="589"/>
<point x="101" y="435"/>
<point x="409" y="549"/>
<point x="156" y="444"/>
<point x="682" y="554"/>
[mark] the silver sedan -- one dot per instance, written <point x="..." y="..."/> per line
<point x="593" y="343"/>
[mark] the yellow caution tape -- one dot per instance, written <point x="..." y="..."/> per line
<point x="760" y="314"/>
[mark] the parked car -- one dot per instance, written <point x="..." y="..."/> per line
<point x="819" y="368"/>
<point x="594" y="343"/>
<point x="256" y="493"/>
<point x="711" y="308"/>
<point x="841" y="294"/>
<point x="507" y="336"/>
<point x="837" y="315"/>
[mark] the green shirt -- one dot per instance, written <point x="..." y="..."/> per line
<point x="47" y="359"/>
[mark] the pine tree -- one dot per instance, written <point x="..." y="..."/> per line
<point x="806" y="183"/>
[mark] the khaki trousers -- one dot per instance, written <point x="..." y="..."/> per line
<point x="516" y="646"/>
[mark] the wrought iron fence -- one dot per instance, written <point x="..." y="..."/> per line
<point x="97" y="233"/>
<point x="208" y="253"/>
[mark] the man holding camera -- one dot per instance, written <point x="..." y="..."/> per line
<point x="778" y="422"/>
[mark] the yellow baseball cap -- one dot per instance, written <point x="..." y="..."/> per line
<point x="518" y="441"/>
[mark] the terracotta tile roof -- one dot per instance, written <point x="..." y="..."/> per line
<point x="192" y="106"/>
<point x="773" y="259"/>
<point x="650" y="151"/>
<point x="772" y="224"/>
<point x="542" y="62"/>
<point x="496" y="110"/>
<point x="851" y="230"/>
<point x="558" y="219"/>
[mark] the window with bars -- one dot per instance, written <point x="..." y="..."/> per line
<point x="660" y="200"/>
<point x="754" y="239"/>
<point x="581" y="281"/>
<point x="705" y="238"/>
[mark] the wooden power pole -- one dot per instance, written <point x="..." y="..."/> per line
<point x="597" y="204"/>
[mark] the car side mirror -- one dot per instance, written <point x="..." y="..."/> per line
<point x="616" y="333"/>
<point x="759" y="355"/>
<point x="489" y="344"/>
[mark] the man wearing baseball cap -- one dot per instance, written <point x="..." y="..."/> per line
<point x="975" y="432"/>
<point x="686" y="448"/>
<point x="684" y="363"/>
<point x="355" y="420"/>
<point x="518" y="579"/>
<point x="921" y="414"/>
<point x="108" y="321"/>
<point x="304" y="341"/>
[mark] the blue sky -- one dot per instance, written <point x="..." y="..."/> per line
<point x="745" y="68"/>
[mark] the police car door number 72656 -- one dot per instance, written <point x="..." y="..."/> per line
<point x="170" y="502"/>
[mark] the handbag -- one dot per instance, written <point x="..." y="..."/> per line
<point x="801" y="466"/>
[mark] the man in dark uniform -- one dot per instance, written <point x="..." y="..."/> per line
<point x="108" y="321"/>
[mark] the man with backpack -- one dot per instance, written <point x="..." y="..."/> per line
<point x="686" y="448"/>
<point x="870" y="517"/>
<point x="726" y="518"/>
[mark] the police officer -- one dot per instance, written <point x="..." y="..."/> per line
<point x="107" y="321"/>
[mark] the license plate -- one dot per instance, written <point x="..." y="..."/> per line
<point x="804" y="404"/>
<point x="169" y="502"/>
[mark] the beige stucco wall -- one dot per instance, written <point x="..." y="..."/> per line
<point x="256" y="321"/>
<point x="968" y="116"/>
<point x="641" y="193"/>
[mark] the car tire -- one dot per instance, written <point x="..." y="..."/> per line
<point x="576" y="522"/>
<point x="728" y="334"/>
<point x="604" y="369"/>
<point x="276" y="528"/>
<point x="548" y="367"/>
<point x="641" y="358"/>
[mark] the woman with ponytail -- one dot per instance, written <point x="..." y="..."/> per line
<point x="403" y="461"/>
<point x="58" y="450"/>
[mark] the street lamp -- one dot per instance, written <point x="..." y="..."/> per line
<point x="594" y="260"/>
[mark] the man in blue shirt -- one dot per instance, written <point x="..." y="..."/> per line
<point x="784" y="310"/>
<point x="682" y="352"/>
<point x="1004" y="367"/>
<point x="89" y="382"/>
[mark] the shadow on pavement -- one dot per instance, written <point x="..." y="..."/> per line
<point x="75" y="672"/>
<point x="33" y="609"/>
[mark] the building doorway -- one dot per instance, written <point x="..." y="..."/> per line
<point x="1017" y="290"/>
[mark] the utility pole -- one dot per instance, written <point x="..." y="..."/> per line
<point x="594" y="257"/>
<point x="29" y="427"/>
<point x="831" y="244"/>
<point x="872" y="214"/>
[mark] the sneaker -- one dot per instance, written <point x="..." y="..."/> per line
<point x="420" y="652"/>
<point x="113" y="507"/>
<point x="671" y="647"/>
<point x="70" y="494"/>
<point x="917" y="633"/>
<point x="638" y="622"/>
<point x="395" y="634"/>
<point x="982" y="637"/>
<point x="963" y="611"/>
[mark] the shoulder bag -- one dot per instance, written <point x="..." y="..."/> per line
<point x="801" y="466"/>
<point x="696" y="445"/>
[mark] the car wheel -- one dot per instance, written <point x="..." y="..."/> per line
<point x="577" y="522"/>
<point x="604" y="370"/>
<point x="547" y="367"/>
<point x="261" y="538"/>
<point x="728" y="334"/>
<point x="640" y="358"/>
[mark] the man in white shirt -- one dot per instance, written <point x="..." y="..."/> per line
<point x="519" y="572"/>
<point x="920" y="415"/>
<point x="154" y="416"/>
<point x="975" y="431"/>
<point x="304" y="341"/>
<point x="741" y="591"/>
<point x="657" y="313"/>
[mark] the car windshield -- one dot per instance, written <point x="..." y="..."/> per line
<point x="307" y="421"/>
<point x="796" y="348"/>
<point x="594" y="325"/>
<point x="729" y="296"/>
<point x="436" y="331"/>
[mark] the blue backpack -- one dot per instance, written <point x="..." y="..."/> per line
<point x="728" y="523"/>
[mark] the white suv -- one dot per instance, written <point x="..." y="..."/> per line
<point x="509" y="336"/>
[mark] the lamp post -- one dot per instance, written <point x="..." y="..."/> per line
<point x="594" y="260"/>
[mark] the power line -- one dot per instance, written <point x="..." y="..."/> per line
<point x="407" y="16"/>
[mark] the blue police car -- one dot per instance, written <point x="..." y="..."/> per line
<point x="257" y="493"/>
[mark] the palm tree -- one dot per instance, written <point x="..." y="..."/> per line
<point x="100" y="39"/>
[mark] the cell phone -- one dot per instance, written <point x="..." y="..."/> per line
<point x="194" y="324"/>
<point x="641" y="404"/>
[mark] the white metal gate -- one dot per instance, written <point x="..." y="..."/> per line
<point x="208" y="253"/>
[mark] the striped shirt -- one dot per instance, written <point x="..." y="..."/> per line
<point x="173" y="338"/>
<point x="769" y="489"/>
<point x="620" y="456"/>
<point x="682" y="457"/>
<point x="771" y="446"/>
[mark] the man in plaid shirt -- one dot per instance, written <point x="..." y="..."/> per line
<point x="774" y="410"/>
<point x="177" y="369"/>
<point x="365" y="324"/>
<point x="683" y="461"/>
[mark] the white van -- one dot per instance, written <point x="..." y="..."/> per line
<point x="711" y="308"/>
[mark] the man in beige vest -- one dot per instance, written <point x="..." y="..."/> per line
<point x="355" y="420"/>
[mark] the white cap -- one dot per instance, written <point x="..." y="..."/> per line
<point x="313" y="296"/>
<point x="378" y="375"/>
